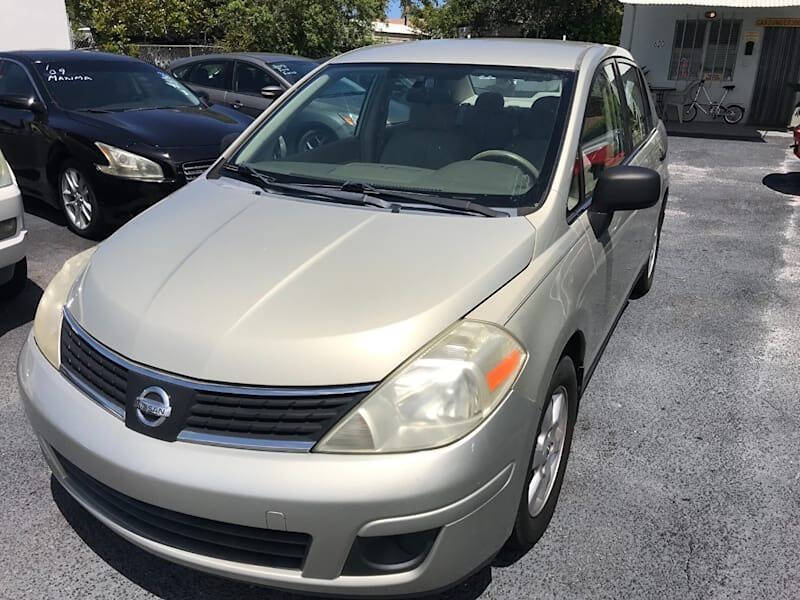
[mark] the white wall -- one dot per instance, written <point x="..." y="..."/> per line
<point x="34" y="25"/>
<point x="647" y="31"/>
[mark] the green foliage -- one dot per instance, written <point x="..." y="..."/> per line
<point x="313" y="28"/>
<point x="585" y="20"/>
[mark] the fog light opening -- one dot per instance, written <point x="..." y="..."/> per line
<point x="389" y="553"/>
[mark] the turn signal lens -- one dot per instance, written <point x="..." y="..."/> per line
<point x="435" y="398"/>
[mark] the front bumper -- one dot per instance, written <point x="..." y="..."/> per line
<point x="12" y="249"/>
<point x="470" y="489"/>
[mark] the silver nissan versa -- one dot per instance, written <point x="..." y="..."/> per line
<point x="356" y="369"/>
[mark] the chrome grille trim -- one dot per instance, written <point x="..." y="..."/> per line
<point x="193" y="169"/>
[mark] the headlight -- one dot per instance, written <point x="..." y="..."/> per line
<point x="122" y="163"/>
<point x="436" y="397"/>
<point x="47" y="323"/>
<point x="5" y="172"/>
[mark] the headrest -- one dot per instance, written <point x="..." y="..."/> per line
<point x="421" y="95"/>
<point x="540" y="118"/>
<point x="490" y="102"/>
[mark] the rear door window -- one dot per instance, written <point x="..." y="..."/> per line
<point x="212" y="74"/>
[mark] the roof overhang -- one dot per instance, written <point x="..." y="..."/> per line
<point x="722" y="3"/>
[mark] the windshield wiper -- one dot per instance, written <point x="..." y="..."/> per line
<point x="428" y="198"/>
<point x="318" y="190"/>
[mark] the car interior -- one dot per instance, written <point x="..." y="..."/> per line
<point x="455" y="139"/>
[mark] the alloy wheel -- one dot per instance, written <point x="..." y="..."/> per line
<point x="75" y="196"/>
<point x="549" y="450"/>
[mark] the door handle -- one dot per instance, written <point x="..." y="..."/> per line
<point x="237" y="104"/>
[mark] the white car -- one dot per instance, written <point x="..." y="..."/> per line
<point x="13" y="264"/>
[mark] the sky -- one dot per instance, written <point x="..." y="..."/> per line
<point x="393" y="11"/>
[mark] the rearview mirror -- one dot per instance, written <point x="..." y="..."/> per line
<point x="626" y="188"/>
<point x="271" y="91"/>
<point x="22" y="102"/>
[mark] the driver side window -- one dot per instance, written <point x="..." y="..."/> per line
<point x="14" y="80"/>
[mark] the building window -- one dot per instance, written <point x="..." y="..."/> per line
<point x="723" y="44"/>
<point x="703" y="49"/>
<point x="687" y="49"/>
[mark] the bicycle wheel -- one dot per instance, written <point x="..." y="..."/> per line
<point x="733" y="113"/>
<point x="689" y="113"/>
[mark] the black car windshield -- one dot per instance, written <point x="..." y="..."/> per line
<point x="113" y="85"/>
<point x="294" y="70"/>
<point x="489" y="135"/>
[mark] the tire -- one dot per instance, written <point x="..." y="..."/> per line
<point x="14" y="287"/>
<point x="533" y="517"/>
<point x="78" y="202"/>
<point x="645" y="281"/>
<point x="733" y="113"/>
<point x="689" y="113"/>
<point x="314" y="137"/>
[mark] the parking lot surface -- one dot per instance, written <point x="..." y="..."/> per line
<point x="684" y="478"/>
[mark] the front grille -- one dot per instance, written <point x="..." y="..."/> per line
<point x="243" y="416"/>
<point x="193" y="170"/>
<point x="249" y="545"/>
<point x="94" y="373"/>
<point x="277" y="417"/>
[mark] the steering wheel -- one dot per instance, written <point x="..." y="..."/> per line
<point x="510" y="157"/>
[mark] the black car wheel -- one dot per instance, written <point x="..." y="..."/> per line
<point x="16" y="284"/>
<point x="548" y="460"/>
<point x="78" y="201"/>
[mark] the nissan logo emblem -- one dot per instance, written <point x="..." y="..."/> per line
<point x="152" y="406"/>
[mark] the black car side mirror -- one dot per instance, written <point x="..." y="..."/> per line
<point x="271" y="91"/>
<point x="626" y="188"/>
<point x="22" y="102"/>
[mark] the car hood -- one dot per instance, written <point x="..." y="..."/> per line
<point x="171" y="127"/>
<point x="222" y="284"/>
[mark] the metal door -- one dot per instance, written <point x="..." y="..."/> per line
<point x="778" y="68"/>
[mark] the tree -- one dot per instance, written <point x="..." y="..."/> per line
<point x="585" y="20"/>
<point x="313" y="28"/>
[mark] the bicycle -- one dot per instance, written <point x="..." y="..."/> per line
<point x="732" y="113"/>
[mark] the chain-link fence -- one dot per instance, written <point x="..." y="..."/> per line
<point x="163" y="54"/>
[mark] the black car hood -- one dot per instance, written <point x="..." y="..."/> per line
<point x="171" y="127"/>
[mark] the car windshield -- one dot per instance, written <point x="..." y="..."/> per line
<point x="113" y="85"/>
<point x="294" y="70"/>
<point x="489" y="135"/>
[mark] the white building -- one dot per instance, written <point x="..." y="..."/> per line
<point x="34" y="25"/>
<point x="752" y="44"/>
<point x="394" y="30"/>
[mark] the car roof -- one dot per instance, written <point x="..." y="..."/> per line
<point x="548" y="54"/>
<point x="56" y="55"/>
<point x="267" y="57"/>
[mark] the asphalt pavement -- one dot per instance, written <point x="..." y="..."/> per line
<point x="684" y="479"/>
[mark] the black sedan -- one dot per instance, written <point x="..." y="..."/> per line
<point x="103" y="136"/>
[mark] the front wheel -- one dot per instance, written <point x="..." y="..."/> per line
<point x="78" y="201"/>
<point x="688" y="113"/>
<point x="549" y="459"/>
<point x="733" y="113"/>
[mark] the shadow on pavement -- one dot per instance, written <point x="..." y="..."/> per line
<point x="170" y="581"/>
<point x="21" y="309"/>
<point x="43" y="210"/>
<point x="785" y="183"/>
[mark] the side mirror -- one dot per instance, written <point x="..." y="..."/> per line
<point x="626" y="188"/>
<point x="271" y="91"/>
<point x="227" y="141"/>
<point x="22" y="102"/>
